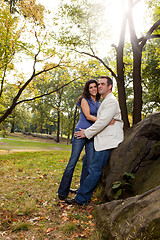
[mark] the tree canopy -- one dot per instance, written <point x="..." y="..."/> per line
<point x="60" y="51"/>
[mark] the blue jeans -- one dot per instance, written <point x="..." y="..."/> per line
<point x="86" y="189"/>
<point x="77" y="146"/>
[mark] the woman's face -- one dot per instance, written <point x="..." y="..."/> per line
<point x="93" y="89"/>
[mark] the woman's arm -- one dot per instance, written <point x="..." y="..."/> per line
<point x="86" y="110"/>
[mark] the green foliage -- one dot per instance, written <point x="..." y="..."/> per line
<point x="3" y="133"/>
<point x="12" y="5"/>
<point x="43" y="112"/>
<point x="150" y="77"/>
<point x="9" y="38"/>
<point x="69" y="228"/>
<point x="127" y="176"/>
<point x="154" y="9"/>
<point x="29" y="9"/>
<point x="116" y="184"/>
<point x="121" y="188"/>
<point x="21" y="226"/>
<point x="83" y="20"/>
<point x="75" y="26"/>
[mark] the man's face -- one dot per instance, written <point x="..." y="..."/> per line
<point x="103" y="88"/>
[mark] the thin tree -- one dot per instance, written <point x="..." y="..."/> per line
<point x="137" y="47"/>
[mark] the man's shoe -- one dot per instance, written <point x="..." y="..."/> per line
<point x="61" y="197"/>
<point x="73" y="190"/>
<point x="72" y="202"/>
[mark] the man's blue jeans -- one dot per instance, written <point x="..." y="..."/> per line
<point x="77" y="146"/>
<point x="86" y="189"/>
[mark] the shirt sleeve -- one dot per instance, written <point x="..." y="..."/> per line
<point x="108" y="111"/>
<point x="79" y="103"/>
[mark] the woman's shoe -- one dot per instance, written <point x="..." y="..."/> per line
<point x="73" y="190"/>
<point x="61" y="197"/>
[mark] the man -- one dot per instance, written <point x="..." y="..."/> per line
<point x="106" y="138"/>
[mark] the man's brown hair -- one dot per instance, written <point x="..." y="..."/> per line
<point x="109" y="80"/>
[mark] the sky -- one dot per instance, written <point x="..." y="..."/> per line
<point x="49" y="3"/>
<point x="113" y="14"/>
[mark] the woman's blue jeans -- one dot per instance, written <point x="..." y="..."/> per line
<point x="77" y="146"/>
<point x="86" y="189"/>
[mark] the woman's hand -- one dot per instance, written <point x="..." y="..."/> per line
<point x="112" y="121"/>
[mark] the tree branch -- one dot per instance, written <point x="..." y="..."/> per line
<point x="90" y="45"/>
<point x="14" y="103"/>
<point x="99" y="59"/>
<point x="46" y="94"/>
<point x="2" y="81"/>
<point x="149" y="35"/>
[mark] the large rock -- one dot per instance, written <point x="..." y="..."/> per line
<point x="138" y="154"/>
<point x="133" y="218"/>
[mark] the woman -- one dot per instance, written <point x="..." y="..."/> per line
<point x="89" y="103"/>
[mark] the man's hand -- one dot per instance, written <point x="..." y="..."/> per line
<point x="80" y="134"/>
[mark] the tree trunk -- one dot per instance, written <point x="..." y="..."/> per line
<point x="50" y="130"/>
<point x="12" y="128"/>
<point x="58" y="126"/>
<point x="137" y="88"/>
<point x="137" y="55"/>
<point x="121" y="88"/>
<point x="74" y="120"/>
<point x="41" y="119"/>
<point x="120" y="76"/>
<point x="7" y="113"/>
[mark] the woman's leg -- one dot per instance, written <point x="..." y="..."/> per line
<point x="84" y="169"/>
<point x="77" y="146"/>
<point x="87" y="158"/>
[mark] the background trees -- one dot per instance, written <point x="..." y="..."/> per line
<point x="84" y="19"/>
<point x="34" y="41"/>
<point x="44" y="65"/>
<point x="151" y="77"/>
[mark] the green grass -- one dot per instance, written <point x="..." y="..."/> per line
<point x="29" y="207"/>
<point x="19" y="144"/>
<point x="23" y="143"/>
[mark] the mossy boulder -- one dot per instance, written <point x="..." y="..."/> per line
<point x="131" y="185"/>
<point x="139" y="155"/>
<point x="132" y="218"/>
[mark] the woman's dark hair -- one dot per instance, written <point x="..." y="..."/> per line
<point x="86" y="93"/>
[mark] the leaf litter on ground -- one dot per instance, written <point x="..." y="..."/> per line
<point x="29" y="206"/>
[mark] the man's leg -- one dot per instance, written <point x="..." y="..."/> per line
<point x="85" y="190"/>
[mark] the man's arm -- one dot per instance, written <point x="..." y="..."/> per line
<point x="108" y="112"/>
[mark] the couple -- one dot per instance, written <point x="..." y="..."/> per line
<point x="107" y="136"/>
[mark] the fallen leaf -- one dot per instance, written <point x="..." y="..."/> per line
<point x="50" y="229"/>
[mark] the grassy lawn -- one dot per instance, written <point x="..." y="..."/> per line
<point x="24" y="143"/>
<point x="29" y="207"/>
